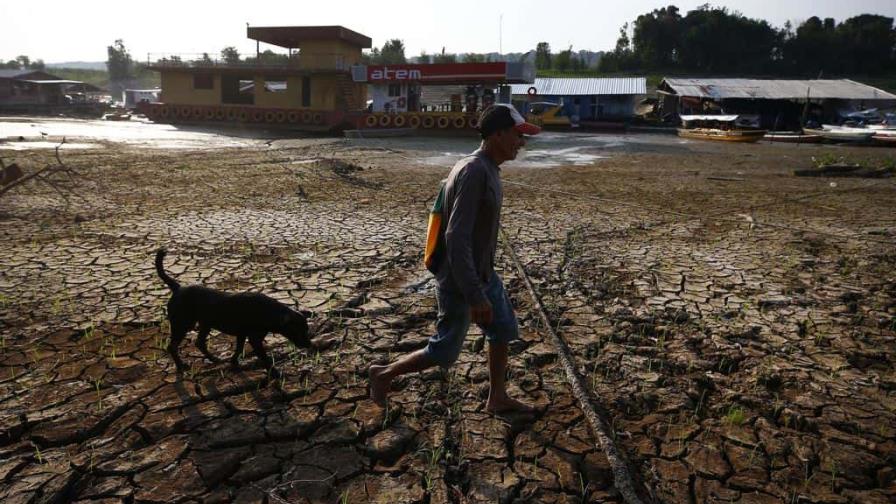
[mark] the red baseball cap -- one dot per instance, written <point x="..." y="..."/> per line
<point x="501" y="116"/>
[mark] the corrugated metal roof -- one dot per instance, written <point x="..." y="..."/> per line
<point x="773" y="89"/>
<point x="13" y="73"/>
<point x="572" y="86"/>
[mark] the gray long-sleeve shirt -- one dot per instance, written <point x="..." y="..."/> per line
<point x="472" y="214"/>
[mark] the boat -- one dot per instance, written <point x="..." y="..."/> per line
<point x="792" y="137"/>
<point x="841" y="133"/>
<point x="885" y="136"/>
<point x="549" y="115"/>
<point x="117" y="116"/>
<point x="717" y="127"/>
<point x="745" y="136"/>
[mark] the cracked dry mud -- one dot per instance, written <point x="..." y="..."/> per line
<point x="737" y="360"/>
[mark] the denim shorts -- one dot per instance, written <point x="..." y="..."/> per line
<point x="454" y="321"/>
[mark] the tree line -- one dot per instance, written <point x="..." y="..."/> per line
<point x="23" y="63"/>
<point x="716" y="40"/>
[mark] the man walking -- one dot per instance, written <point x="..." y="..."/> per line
<point x="468" y="289"/>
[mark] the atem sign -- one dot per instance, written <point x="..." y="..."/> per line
<point x="387" y="73"/>
<point x="447" y="72"/>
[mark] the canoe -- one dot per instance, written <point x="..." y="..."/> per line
<point x="792" y="137"/>
<point x="839" y="134"/>
<point x="722" y="135"/>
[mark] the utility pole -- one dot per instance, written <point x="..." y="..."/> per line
<point x="500" y="34"/>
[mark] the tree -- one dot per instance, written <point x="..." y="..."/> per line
<point x="424" y="58"/>
<point x="230" y="55"/>
<point x="475" y="58"/>
<point x="37" y="64"/>
<point x="657" y="37"/>
<point x="119" y="63"/>
<point x="24" y="61"/>
<point x="543" y="56"/>
<point x="563" y="61"/>
<point x="372" y="57"/>
<point x="11" y="64"/>
<point x="868" y="41"/>
<point x="622" y="57"/>
<point x="444" y="57"/>
<point x="392" y="52"/>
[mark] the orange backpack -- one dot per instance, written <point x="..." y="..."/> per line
<point x="435" y="243"/>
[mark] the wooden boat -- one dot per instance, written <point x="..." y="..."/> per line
<point x="792" y="137"/>
<point x="841" y="134"/>
<point x="717" y="127"/>
<point x="722" y="135"/>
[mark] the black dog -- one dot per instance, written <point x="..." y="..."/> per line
<point x="246" y="315"/>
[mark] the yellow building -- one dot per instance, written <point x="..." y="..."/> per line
<point x="311" y="87"/>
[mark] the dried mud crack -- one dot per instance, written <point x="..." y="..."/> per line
<point x="734" y="361"/>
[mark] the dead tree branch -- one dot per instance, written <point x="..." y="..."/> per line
<point x="44" y="176"/>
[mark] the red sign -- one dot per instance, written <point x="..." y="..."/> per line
<point x="439" y="72"/>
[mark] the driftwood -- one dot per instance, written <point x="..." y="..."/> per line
<point x="43" y="175"/>
<point x="845" y="170"/>
<point x="602" y="430"/>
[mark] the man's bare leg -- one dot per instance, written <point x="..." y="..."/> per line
<point x="381" y="376"/>
<point x="498" y="400"/>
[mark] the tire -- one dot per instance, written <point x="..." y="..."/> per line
<point x="318" y="118"/>
<point x="428" y="121"/>
<point x="414" y="121"/>
<point x="443" y="122"/>
<point x="399" y="121"/>
<point x="307" y="116"/>
<point x="385" y="120"/>
<point x="293" y="116"/>
<point x="371" y="121"/>
<point x="459" y="122"/>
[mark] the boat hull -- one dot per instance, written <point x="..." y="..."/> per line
<point x="740" y="136"/>
<point x="841" y="135"/>
<point x="792" y="138"/>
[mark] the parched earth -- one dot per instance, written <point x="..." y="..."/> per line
<point x="735" y="326"/>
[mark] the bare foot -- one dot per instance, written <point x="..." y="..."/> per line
<point x="379" y="385"/>
<point x="507" y="405"/>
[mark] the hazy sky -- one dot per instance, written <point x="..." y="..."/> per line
<point x="59" y="31"/>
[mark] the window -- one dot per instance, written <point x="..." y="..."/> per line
<point x="237" y="89"/>
<point x="203" y="81"/>
<point x="394" y="90"/>
<point x="274" y="86"/>
<point x="306" y="91"/>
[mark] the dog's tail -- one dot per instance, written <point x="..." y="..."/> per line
<point x="172" y="283"/>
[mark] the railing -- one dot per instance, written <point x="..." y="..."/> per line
<point x="313" y="61"/>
